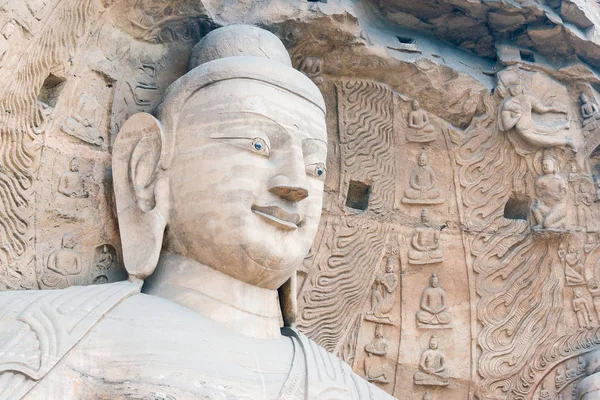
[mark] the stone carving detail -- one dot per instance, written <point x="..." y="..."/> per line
<point x="549" y="209"/>
<point x="275" y="231"/>
<point x="383" y="295"/>
<point x="420" y="129"/>
<point x="434" y="312"/>
<point x="516" y="113"/>
<point x="590" y="114"/>
<point x="433" y="367"/>
<point x="511" y="267"/>
<point x="425" y="243"/>
<point x="582" y="310"/>
<point x="71" y="183"/>
<point x="573" y="262"/>
<point x="367" y="141"/>
<point x="347" y="240"/>
<point x="422" y="184"/>
<point x="63" y="265"/>
<point x="376" y="368"/>
<point x="85" y="120"/>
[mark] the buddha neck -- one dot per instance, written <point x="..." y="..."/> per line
<point x="248" y="309"/>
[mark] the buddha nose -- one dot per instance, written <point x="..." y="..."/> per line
<point x="285" y="188"/>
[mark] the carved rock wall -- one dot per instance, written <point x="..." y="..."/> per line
<point x="458" y="251"/>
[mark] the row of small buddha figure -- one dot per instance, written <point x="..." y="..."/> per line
<point x="433" y="314"/>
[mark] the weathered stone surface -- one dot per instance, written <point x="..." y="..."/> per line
<point x="462" y="144"/>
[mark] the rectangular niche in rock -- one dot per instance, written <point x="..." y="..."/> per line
<point x="358" y="195"/>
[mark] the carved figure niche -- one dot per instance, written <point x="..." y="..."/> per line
<point x="425" y="243"/>
<point x="422" y="184"/>
<point x="433" y="369"/>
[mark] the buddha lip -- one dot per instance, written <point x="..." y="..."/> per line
<point x="277" y="216"/>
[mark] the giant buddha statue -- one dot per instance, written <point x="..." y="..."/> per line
<point x="218" y="201"/>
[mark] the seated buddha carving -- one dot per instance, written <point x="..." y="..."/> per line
<point x="218" y="199"/>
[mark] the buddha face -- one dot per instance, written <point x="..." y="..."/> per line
<point x="74" y="165"/>
<point x="68" y="241"/>
<point x="548" y="166"/>
<point x="515" y="89"/>
<point x="433" y="344"/>
<point x="434" y="281"/>
<point x="415" y="105"/>
<point x="422" y="160"/>
<point x="247" y="180"/>
<point x="584" y="98"/>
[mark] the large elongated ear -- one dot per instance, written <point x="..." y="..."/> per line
<point x="141" y="193"/>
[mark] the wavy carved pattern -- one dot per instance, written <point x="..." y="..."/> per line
<point x="512" y="267"/>
<point x="340" y="279"/>
<point x="367" y="139"/>
<point x="22" y="120"/>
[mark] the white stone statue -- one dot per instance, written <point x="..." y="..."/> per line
<point x="218" y="200"/>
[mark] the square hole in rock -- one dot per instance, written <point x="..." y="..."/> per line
<point x="51" y="90"/>
<point x="358" y="195"/>
<point x="527" y="56"/>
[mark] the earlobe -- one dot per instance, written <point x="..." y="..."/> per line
<point x="141" y="192"/>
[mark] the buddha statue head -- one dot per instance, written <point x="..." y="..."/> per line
<point x="230" y="172"/>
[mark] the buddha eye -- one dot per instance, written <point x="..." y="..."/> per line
<point x="317" y="170"/>
<point x="260" y="146"/>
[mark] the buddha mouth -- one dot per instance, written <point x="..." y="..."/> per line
<point x="278" y="217"/>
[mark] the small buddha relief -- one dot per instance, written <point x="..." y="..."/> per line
<point x="433" y="368"/>
<point x="434" y="312"/>
<point x="63" y="266"/>
<point x="376" y="367"/>
<point x="420" y="129"/>
<point x="422" y="184"/>
<point x="425" y="244"/>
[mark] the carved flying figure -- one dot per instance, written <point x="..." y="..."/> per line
<point x="383" y="295"/>
<point x="434" y="306"/>
<point x="425" y="243"/>
<point x="433" y="368"/>
<point x="71" y="183"/>
<point x="376" y="368"/>
<point x="420" y="129"/>
<point x="234" y="166"/>
<point x="590" y="114"/>
<point x="551" y="189"/>
<point x="582" y="310"/>
<point x="516" y="113"/>
<point x="422" y="182"/>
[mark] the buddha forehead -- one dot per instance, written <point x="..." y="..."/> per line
<point x="236" y="105"/>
